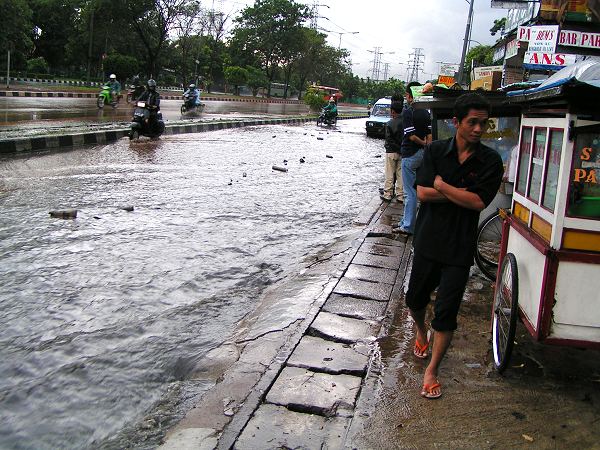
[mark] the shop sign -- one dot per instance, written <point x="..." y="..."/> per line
<point x="447" y="80"/>
<point x="499" y="53"/>
<point x="516" y="17"/>
<point x="548" y="61"/>
<point x="572" y="38"/>
<point x="512" y="48"/>
<point x="541" y="38"/>
<point x="448" y="69"/>
<point x="480" y="72"/>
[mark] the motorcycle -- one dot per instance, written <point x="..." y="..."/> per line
<point x="141" y="124"/>
<point x="189" y="105"/>
<point x="135" y="92"/>
<point x="105" y="97"/>
<point x="326" y="118"/>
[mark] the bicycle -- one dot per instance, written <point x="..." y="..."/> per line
<point x="489" y="235"/>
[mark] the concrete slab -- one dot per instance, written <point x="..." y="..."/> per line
<point x="358" y="308"/>
<point x="387" y="262"/>
<point x="381" y="230"/>
<point x="385" y="241"/>
<point x="317" y="393"/>
<point x="381" y="250"/>
<point x="275" y="427"/>
<point x="343" y="329"/>
<point x="364" y="289"/>
<point x="320" y="355"/>
<point x="373" y="274"/>
<point x="192" y="439"/>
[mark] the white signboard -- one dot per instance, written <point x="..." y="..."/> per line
<point x="499" y="53"/>
<point x="516" y="17"/>
<point x="448" y="69"/>
<point x="579" y="39"/>
<point x="480" y="72"/>
<point x="543" y="38"/>
<point x="548" y="61"/>
<point x="512" y="48"/>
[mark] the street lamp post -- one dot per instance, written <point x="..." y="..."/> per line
<point x="461" y="68"/>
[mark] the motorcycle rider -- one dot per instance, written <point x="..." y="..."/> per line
<point x="137" y="87"/>
<point x="152" y="99"/>
<point x="115" y="87"/>
<point x="193" y="94"/>
<point x="330" y="109"/>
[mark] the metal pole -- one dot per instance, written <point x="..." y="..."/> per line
<point x="461" y="69"/>
<point x="8" y="71"/>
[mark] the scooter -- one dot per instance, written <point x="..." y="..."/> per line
<point x="105" y="97"/>
<point x="135" y="92"/>
<point x="326" y="118"/>
<point x="141" y="124"/>
<point x="189" y="105"/>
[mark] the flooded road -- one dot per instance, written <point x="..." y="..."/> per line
<point x="103" y="316"/>
<point x="35" y="112"/>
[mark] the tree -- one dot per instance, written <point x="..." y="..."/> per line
<point x="16" y="26"/>
<point x="266" y="31"/>
<point x="37" y="66"/>
<point x="237" y="76"/>
<point x="481" y="55"/>
<point x="121" y="65"/>
<point x="256" y="79"/>
<point x="499" y="25"/>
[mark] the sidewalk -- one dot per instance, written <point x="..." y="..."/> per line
<point x="298" y="386"/>
<point x="342" y="375"/>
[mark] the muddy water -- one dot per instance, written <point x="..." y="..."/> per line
<point x="102" y="317"/>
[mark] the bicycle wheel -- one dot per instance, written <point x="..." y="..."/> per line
<point x="506" y="299"/>
<point x="487" y="251"/>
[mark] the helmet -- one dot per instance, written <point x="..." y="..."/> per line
<point x="113" y="76"/>
<point x="151" y="84"/>
<point x="192" y="86"/>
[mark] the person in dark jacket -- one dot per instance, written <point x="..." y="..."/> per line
<point x="393" y="142"/>
<point x="152" y="99"/>
<point x="459" y="177"/>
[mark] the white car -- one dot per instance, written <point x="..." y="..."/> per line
<point x="380" y="115"/>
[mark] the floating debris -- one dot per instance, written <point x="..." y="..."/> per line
<point x="302" y="159"/>
<point x="285" y="162"/>
<point x="244" y="174"/>
<point x="230" y="182"/>
<point x="64" y="214"/>
<point x="280" y="169"/>
<point x="328" y="156"/>
<point x="127" y="208"/>
<point x="319" y="138"/>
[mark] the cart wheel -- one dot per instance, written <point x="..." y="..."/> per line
<point x="487" y="252"/>
<point x="506" y="299"/>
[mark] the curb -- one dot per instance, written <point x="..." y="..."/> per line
<point x="103" y="137"/>
<point x="302" y="420"/>
<point x="163" y="97"/>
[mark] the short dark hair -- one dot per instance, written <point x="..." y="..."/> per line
<point x="397" y="97"/>
<point x="397" y="105"/>
<point x="469" y="101"/>
<point x="410" y="85"/>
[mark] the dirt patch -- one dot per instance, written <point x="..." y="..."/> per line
<point x="548" y="398"/>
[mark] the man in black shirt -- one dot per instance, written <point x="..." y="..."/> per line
<point x="459" y="177"/>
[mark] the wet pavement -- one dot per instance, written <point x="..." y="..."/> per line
<point x="104" y="318"/>
<point x="348" y="379"/>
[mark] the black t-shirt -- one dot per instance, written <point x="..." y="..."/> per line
<point x="417" y="122"/>
<point x="444" y="231"/>
<point x="393" y="135"/>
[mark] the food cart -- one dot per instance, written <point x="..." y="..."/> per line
<point x="549" y="271"/>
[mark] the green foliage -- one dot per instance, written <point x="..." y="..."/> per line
<point x="237" y="76"/>
<point x="256" y="79"/>
<point x="499" y="25"/>
<point x="121" y="65"/>
<point x="37" y="66"/>
<point x="16" y="26"/>
<point x="314" y="99"/>
<point x="481" y="55"/>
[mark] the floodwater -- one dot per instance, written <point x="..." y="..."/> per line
<point x="30" y="112"/>
<point x="103" y="317"/>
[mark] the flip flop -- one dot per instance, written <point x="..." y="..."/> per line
<point x="427" y="391"/>
<point x="420" y="350"/>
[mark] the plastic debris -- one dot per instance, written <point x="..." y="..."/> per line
<point x="319" y="138"/>
<point x="527" y="437"/>
<point x="302" y="159"/>
<point x="280" y="169"/>
<point x="328" y="156"/>
<point x="244" y="174"/>
<point x="127" y="208"/>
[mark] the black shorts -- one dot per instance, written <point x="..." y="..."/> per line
<point x="425" y="276"/>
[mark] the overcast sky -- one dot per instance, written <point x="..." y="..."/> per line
<point x="397" y="27"/>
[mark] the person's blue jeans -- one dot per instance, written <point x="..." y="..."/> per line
<point x="409" y="178"/>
